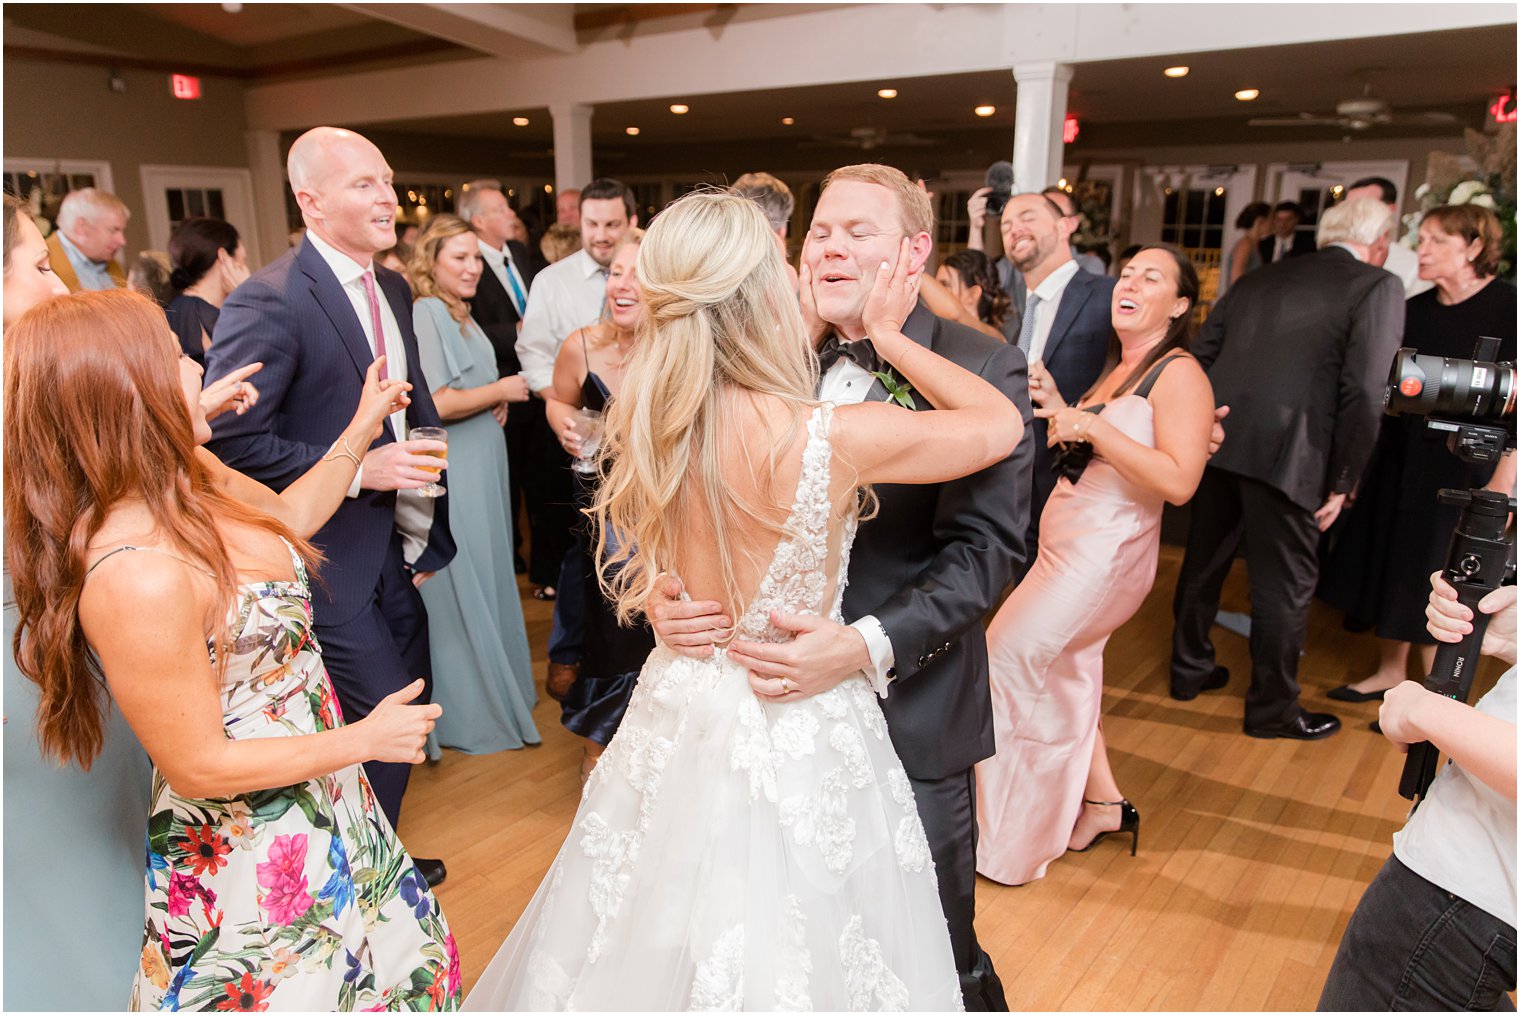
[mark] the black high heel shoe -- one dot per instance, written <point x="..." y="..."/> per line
<point x="1129" y="821"/>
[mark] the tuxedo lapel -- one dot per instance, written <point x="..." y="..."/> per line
<point x="1075" y="296"/>
<point x="336" y="305"/>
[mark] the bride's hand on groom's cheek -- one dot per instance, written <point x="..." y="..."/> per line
<point x="821" y="655"/>
<point x="690" y="629"/>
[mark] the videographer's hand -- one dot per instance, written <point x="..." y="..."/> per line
<point x="976" y="215"/>
<point x="1449" y="621"/>
<point x="1404" y="705"/>
<point x="400" y="464"/>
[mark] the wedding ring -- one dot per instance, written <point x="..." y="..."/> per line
<point x="786" y="688"/>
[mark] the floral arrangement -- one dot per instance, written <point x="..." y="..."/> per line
<point x="1484" y="176"/>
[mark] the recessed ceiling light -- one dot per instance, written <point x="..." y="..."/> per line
<point x="1219" y="192"/>
<point x="680" y="108"/>
<point x="886" y="93"/>
<point x="1247" y="94"/>
<point x="1176" y="72"/>
<point x="519" y="121"/>
<point x="984" y="110"/>
<point x="787" y="121"/>
<point x="631" y="131"/>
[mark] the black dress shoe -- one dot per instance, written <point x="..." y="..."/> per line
<point x="432" y="871"/>
<point x="1304" y="726"/>
<point x="1215" y="680"/>
<point x="1346" y="692"/>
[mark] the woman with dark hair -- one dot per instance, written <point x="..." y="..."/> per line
<point x="207" y="261"/>
<point x="150" y="576"/>
<point x="1255" y="221"/>
<point x="969" y="276"/>
<point x="1395" y="532"/>
<point x="1139" y="438"/>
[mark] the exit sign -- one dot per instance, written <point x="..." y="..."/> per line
<point x="183" y="86"/>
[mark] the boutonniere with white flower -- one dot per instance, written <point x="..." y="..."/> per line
<point x="897" y="388"/>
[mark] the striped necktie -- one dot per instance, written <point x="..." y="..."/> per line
<point x="1026" y="328"/>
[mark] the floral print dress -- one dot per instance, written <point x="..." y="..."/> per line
<point x="296" y="898"/>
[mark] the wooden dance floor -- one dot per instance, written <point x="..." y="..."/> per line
<point x="1253" y="853"/>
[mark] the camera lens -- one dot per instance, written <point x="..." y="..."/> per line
<point x="1421" y="385"/>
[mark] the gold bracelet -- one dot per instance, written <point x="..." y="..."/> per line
<point x="334" y="453"/>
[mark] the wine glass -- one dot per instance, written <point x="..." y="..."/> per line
<point x="588" y="424"/>
<point x="431" y="433"/>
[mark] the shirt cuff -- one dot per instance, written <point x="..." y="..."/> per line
<point x="882" y="670"/>
<point x="353" y="488"/>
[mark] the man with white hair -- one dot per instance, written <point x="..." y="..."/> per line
<point x="1299" y="350"/>
<point x="317" y="317"/>
<point x="1401" y="260"/>
<point x="92" y="229"/>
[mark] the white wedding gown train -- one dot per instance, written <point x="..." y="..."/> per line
<point x="731" y="853"/>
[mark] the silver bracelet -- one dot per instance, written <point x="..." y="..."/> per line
<point x="334" y="453"/>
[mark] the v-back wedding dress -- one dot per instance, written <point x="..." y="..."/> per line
<point x="733" y="853"/>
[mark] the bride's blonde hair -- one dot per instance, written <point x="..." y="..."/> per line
<point x="721" y="317"/>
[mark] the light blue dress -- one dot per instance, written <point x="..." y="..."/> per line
<point x="482" y="669"/>
<point x="74" y="853"/>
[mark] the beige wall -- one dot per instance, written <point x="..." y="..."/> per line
<point x="67" y="111"/>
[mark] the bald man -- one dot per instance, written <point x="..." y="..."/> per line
<point x="316" y="318"/>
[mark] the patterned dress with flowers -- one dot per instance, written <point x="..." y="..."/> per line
<point x="297" y="898"/>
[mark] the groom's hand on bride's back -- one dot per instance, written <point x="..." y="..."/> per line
<point x="688" y="628"/>
<point x="821" y="654"/>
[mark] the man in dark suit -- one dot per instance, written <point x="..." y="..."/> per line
<point x="1286" y="241"/>
<point x="500" y="301"/>
<point x="1300" y="351"/>
<point x="316" y="318"/>
<point x="924" y="571"/>
<point x="1067" y="322"/>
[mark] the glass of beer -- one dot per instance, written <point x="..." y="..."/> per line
<point x="431" y="433"/>
<point x="588" y="424"/>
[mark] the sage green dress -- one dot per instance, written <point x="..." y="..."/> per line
<point x="482" y="669"/>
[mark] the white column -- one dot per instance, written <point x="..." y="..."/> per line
<point x="572" y="144"/>
<point x="268" y="173"/>
<point x="1039" y="116"/>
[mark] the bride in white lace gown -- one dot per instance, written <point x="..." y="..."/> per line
<point x="743" y="845"/>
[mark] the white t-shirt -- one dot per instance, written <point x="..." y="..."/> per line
<point x="1462" y="836"/>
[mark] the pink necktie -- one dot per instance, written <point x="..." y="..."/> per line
<point x="374" y="316"/>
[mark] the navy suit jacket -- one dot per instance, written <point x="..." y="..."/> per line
<point x="295" y="318"/>
<point x="1075" y="353"/>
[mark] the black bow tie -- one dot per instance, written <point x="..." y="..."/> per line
<point x="862" y="353"/>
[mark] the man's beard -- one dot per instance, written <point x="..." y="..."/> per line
<point x="1039" y="254"/>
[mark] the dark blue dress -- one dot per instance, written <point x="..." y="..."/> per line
<point x="189" y="316"/>
<point x="613" y="654"/>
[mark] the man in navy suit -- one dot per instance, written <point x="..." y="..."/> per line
<point x="1286" y="241"/>
<point x="316" y="318"/>
<point x="1067" y="323"/>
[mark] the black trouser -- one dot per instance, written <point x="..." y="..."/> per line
<point x="1413" y="946"/>
<point x="519" y="431"/>
<point x="947" y="808"/>
<point x="377" y="653"/>
<point x="546" y="490"/>
<point x="1282" y="568"/>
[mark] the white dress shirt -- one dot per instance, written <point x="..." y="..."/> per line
<point x="848" y="383"/>
<point x="500" y="262"/>
<point x="1049" y="292"/>
<point x="567" y="295"/>
<point x="414" y="514"/>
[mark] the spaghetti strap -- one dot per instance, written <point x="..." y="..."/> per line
<point x="149" y="549"/>
<point x="1143" y="389"/>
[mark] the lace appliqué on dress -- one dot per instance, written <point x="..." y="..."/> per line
<point x="719" y="981"/>
<point x="871" y="985"/>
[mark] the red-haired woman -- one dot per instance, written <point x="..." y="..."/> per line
<point x="273" y="880"/>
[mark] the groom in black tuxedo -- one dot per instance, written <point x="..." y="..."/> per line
<point x="924" y="572"/>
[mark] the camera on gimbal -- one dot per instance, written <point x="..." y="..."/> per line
<point x="1473" y="401"/>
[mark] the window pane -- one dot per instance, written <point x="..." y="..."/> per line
<point x="214" y="204"/>
<point x="176" y="205"/>
<point x="195" y="202"/>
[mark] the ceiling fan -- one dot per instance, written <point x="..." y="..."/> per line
<point x="1361" y="113"/>
<point x="867" y="138"/>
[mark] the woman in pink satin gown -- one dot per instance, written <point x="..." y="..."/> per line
<point x="1137" y="439"/>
